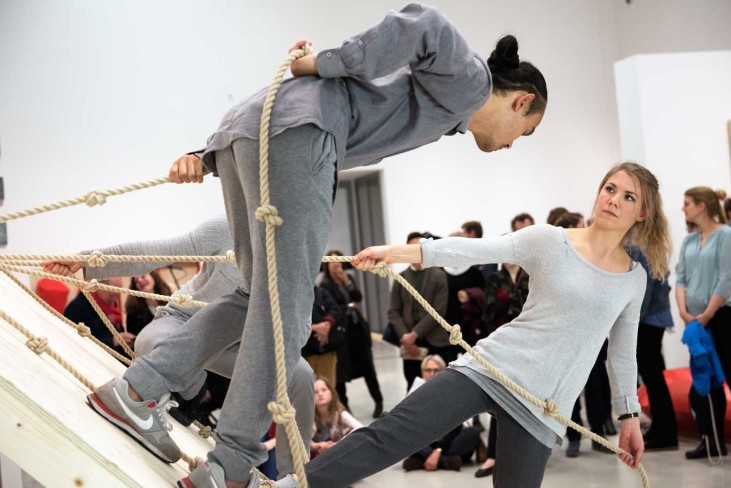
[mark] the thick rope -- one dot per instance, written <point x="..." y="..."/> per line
<point x="92" y="199"/>
<point x="98" y="259"/>
<point x="180" y="298"/>
<point x="107" y="323"/>
<point x="282" y="410"/>
<point x="455" y="337"/>
<point x="82" y="329"/>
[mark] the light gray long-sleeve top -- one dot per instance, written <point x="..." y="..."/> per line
<point x="211" y="238"/>
<point x="402" y="84"/>
<point x="572" y="307"/>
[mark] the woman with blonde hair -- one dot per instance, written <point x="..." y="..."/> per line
<point x="584" y="287"/>
<point x="703" y="293"/>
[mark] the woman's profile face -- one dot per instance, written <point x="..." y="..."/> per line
<point x="692" y="210"/>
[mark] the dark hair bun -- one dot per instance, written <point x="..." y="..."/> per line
<point x="505" y="54"/>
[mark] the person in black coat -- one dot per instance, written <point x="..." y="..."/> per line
<point x="355" y="359"/>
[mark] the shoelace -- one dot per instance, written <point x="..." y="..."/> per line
<point x="165" y="403"/>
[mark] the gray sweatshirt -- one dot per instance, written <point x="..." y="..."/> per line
<point x="572" y="306"/>
<point x="404" y="83"/>
<point x="211" y="238"/>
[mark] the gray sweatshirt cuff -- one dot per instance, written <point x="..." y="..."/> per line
<point x="427" y="252"/>
<point x="628" y="404"/>
<point x="330" y="64"/>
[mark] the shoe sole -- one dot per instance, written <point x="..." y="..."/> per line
<point x="96" y="404"/>
<point x="185" y="483"/>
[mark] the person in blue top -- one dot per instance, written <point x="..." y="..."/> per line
<point x="401" y="84"/>
<point x="703" y="293"/>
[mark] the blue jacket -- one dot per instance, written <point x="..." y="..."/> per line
<point x="705" y="367"/>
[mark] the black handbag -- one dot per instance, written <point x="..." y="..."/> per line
<point x="389" y="335"/>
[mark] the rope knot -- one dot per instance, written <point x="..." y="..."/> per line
<point x="269" y="214"/>
<point x="380" y="269"/>
<point x="550" y="408"/>
<point x="231" y="257"/>
<point x="205" y="432"/>
<point x="183" y="300"/>
<point x="455" y="335"/>
<point x="281" y="414"/>
<point x="94" y="198"/>
<point x="83" y="330"/>
<point x="39" y="345"/>
<point x="97" y="259"/>
<point x="91" y="286"/>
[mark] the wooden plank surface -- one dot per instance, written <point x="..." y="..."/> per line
<point x="46" y="426"/>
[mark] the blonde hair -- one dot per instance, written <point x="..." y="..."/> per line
<point x="651" y="235"/>
<point x="712" y="199"/>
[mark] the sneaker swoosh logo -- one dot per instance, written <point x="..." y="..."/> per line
<point x="141" y="423"/>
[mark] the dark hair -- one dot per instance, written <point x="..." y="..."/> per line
<point x="326" y="269"/>
<point x="473" y="226"/>
<point x="521" y="217"/>
<point x="414" y="235"/>
<point x="138" y="304"/>
<point x="428" y="235"/>
<point x="727" y="206"/>
<point x="554" y="214"/>
<point x="568" y="220"/>
<point x="509" y="73"/>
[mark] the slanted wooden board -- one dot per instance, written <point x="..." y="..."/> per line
<point x="46" y="426"/>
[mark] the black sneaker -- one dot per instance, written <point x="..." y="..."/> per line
<point x="702" y="451"/>
<point x="188" y="411"/>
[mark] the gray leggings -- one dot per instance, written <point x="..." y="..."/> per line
<point x="427" y="414"/>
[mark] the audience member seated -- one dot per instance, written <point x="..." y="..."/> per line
<point x="452" y="450"/>
<point x="141" y="311"/>
<point x="417" y="331"/>
<point x="332" y="421"/>
<point x="355" y="358"/>
<point x="554" y="214"/>
<point x="80" y="310"/>
<point x="328" y="334"/>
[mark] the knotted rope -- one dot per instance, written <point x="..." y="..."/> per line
<point x="282" y="410"/>
<point x="91" y="198"/>
<point x="98" y="259"/>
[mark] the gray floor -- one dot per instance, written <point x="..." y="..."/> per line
<point x="590" y="469"/>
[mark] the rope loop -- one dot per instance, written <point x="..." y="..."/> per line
<point x="380" y="269"/>
<point x="550" y="408"/>
<point x="97" y="259"/>
<point x="269" y="214"/>
<point x="39" y="345"/>
<point x="94" y="198"/>
<point x="83" y="330"/>
<point x="183" y="300"/>
<point x="231" y="257"/>
<point x="281" y="413"/>
<point x="91" y="286"/>
<point x="455" y="335"/>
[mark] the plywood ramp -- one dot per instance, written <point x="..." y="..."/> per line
<point x="46" y="426"/>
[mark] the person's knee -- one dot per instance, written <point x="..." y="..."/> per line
<point x="147" y="340"/>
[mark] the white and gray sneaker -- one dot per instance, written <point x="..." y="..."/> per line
<point x="211" y="475"/>
<point x="144" y="421"/>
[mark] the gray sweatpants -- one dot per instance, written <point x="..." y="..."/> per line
<point x="427" y="414"/>
<point x="173" y="351"/>
<point x="302" y="166"/>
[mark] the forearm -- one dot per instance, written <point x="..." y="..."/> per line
<point x="716" y="302"/>
<point x="680" y="299"/>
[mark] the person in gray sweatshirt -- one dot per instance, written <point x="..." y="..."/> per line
<point x="216" y="327"/>
<point x="584" y="288"/>
<point x="401" y="84"/>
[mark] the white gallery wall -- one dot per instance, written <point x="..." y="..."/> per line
<point x="674" y="111"/>
<point x="98" y="94"/>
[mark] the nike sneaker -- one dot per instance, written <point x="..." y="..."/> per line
<point x="144" y="421"/>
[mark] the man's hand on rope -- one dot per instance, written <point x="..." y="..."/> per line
<point x="63" y="268"/>
<point x="187" y="169"/>
<point x="306" y="65"/>
<point x="630" y="440"/>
